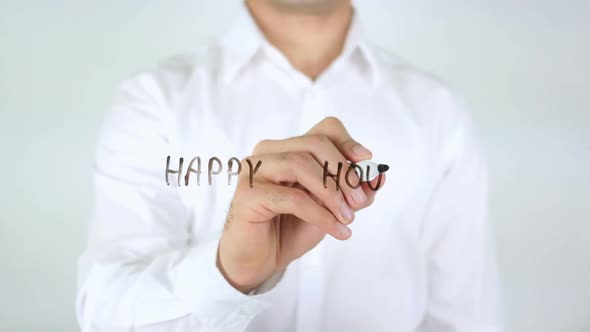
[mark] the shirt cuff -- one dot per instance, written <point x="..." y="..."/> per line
<point x="214" y="302"/>
<point x="269" y="284"/>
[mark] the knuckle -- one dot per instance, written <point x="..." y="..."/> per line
<point x="332" y="121"/>
<point x="261" y="146"/>
<point x="299" y="159"/>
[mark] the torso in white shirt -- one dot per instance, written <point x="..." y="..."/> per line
<point x="240" y="91"/>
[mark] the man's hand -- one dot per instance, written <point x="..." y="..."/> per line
<point x="288" y="211"/>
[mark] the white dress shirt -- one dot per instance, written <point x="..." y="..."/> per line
<point x="420" y="258"/>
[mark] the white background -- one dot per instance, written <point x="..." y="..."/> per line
<point x="523" y="66"/>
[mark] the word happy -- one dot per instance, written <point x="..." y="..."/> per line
<point x="234" y="168"/>
<point x="214" y="167"/>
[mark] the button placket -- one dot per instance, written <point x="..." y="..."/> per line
<point x="313" y="111"/>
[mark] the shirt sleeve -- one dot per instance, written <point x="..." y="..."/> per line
<point x="142" y="269"/>
<point x="463" y="283"/>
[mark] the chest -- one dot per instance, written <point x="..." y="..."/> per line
<point x="383" y="263"/>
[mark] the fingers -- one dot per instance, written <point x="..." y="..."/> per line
<point x="372" y="188"/>
<point x="333" y="128"/>
<point x="279" y="199"/>
<point x="322" y="149"/>
<point x="302" y="168"/>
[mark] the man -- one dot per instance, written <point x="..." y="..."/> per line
<point x="292" y="85"/>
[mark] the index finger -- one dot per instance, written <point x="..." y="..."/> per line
<point x="333" y="128"/>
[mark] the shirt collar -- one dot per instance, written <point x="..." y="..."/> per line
<point x="244" y="39"/>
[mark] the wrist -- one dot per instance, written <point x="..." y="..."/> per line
<point x="242" y="277"/>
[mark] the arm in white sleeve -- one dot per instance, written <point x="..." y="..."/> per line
<point x="142" y="270"/>
<point x="463" y="285"/>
